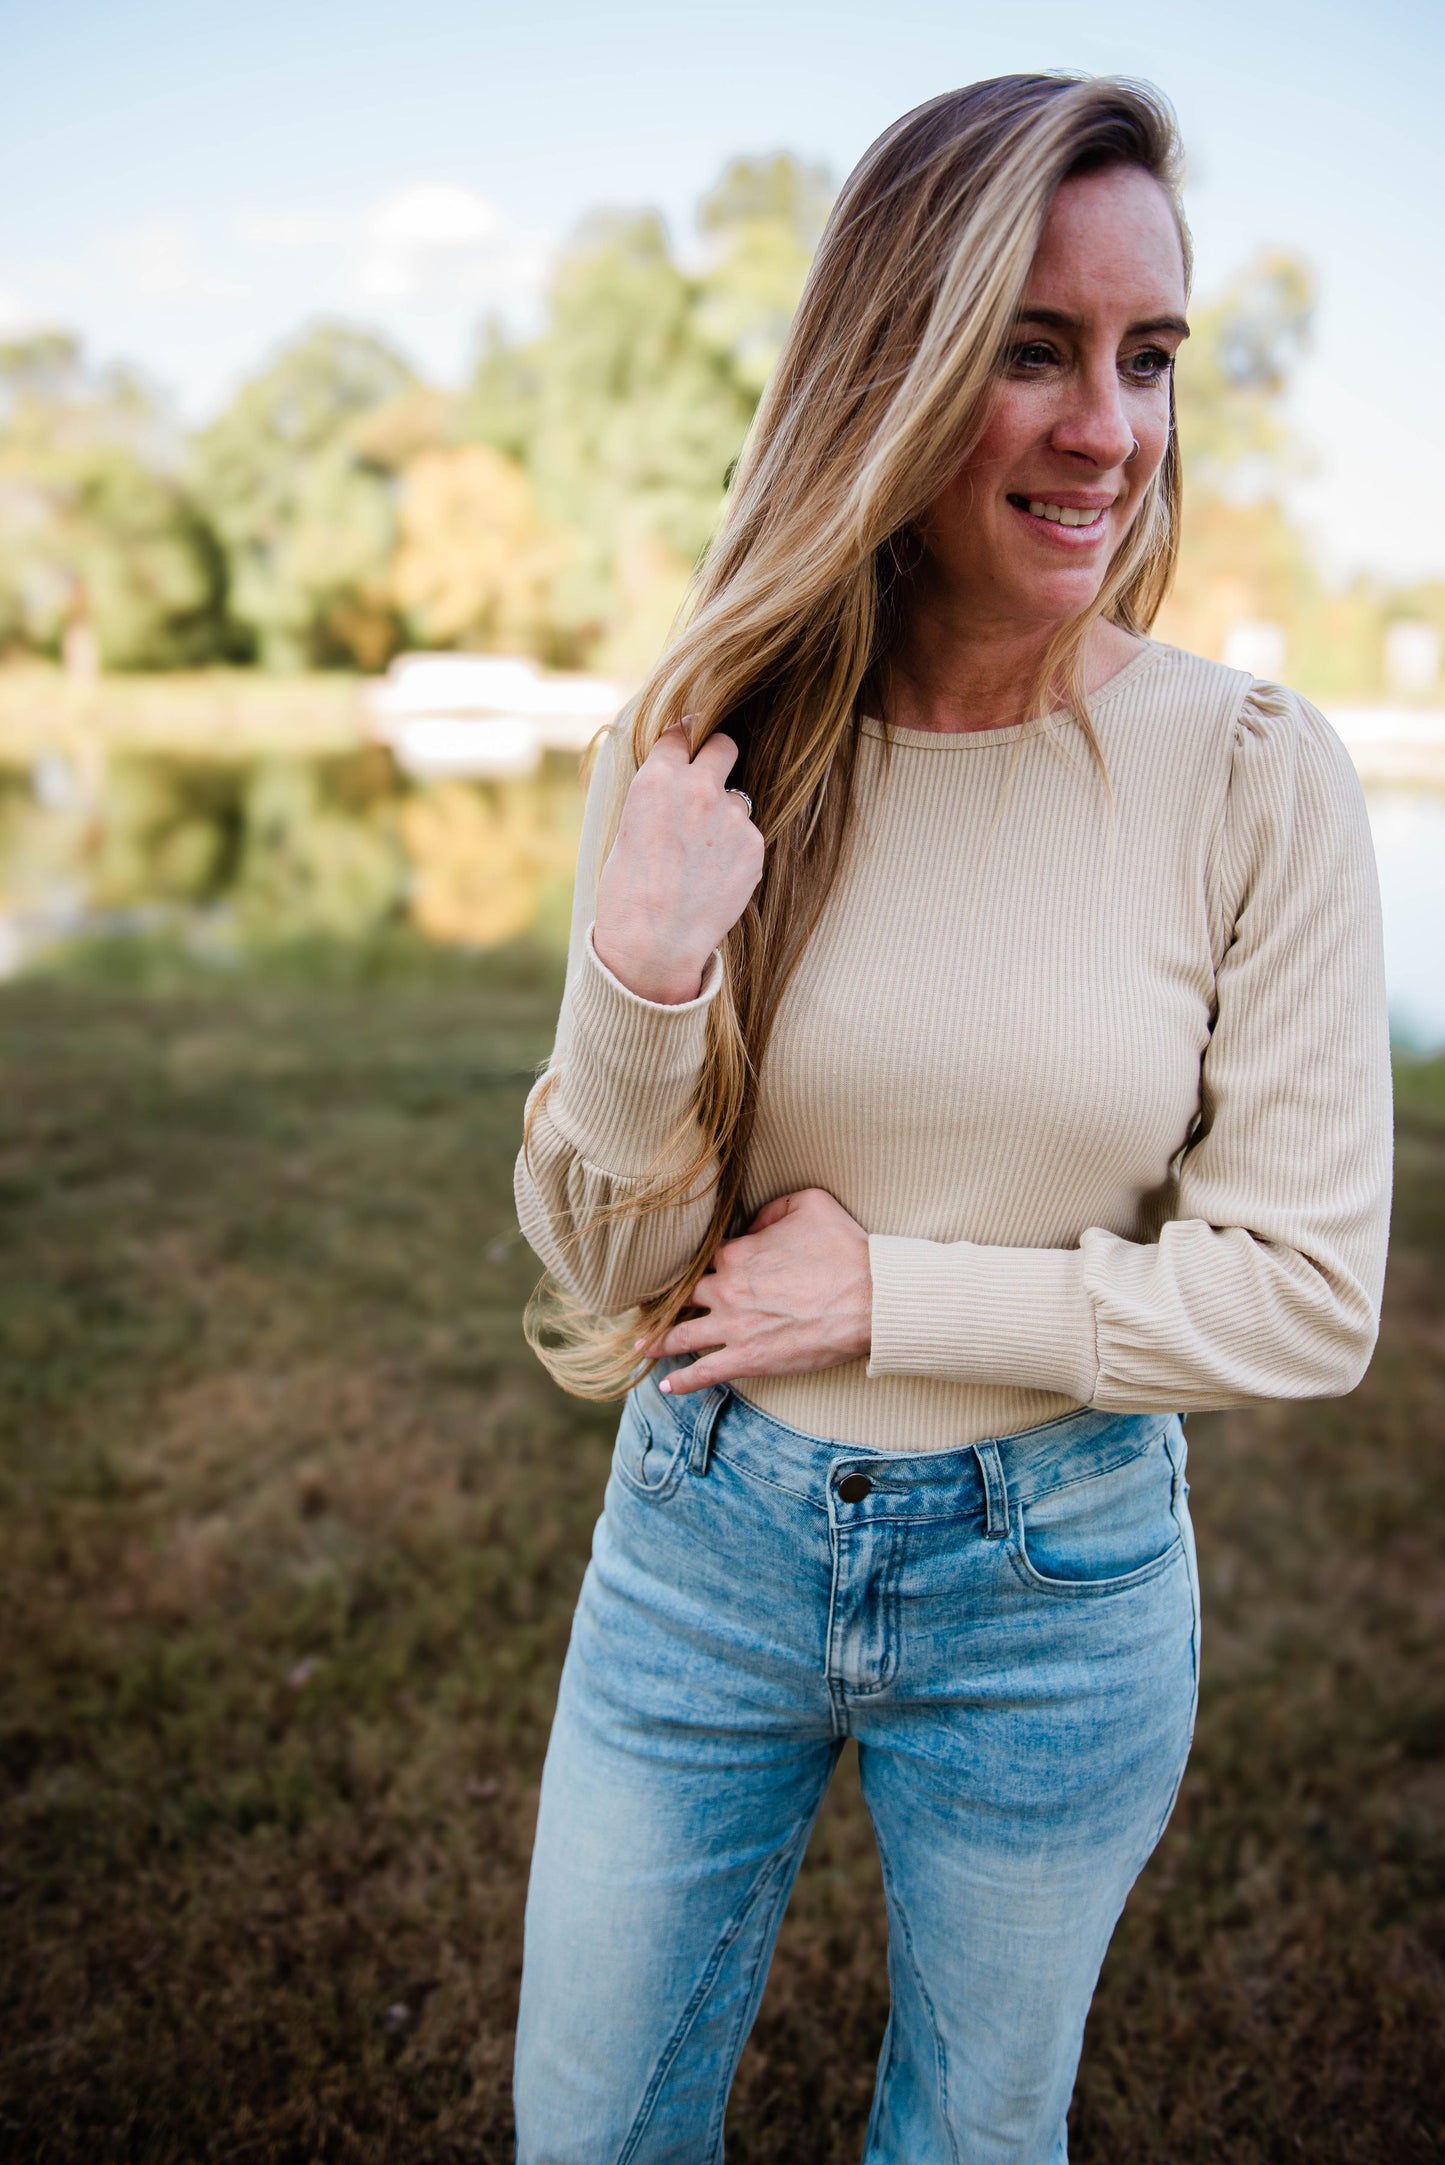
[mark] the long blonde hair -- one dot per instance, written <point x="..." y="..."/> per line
<point x="880" y="393"/>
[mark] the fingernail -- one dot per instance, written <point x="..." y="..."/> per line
<point x="637" y="1344"/>
<point x="665" y="1385"/>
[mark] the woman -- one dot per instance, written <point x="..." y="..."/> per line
<point x="973" y="1058"/>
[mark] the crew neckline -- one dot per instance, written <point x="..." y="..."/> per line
<point x="959" y="740"/>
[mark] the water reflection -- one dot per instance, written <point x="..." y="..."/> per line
<point x="281" y="847"/>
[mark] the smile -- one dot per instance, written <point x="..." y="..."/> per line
<point x="1064" y="526"/>
<point x="1058" y="514"/>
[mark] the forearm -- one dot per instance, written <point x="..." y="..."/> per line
<point x="613" y="1117"/>
<point x="607" y="1262"/>
<point x="1204" y="1317"/>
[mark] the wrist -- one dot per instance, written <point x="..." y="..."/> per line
<point x="861" y="1308"/>
<point x="849" y="1307"/>
<point x="661" y="979"/>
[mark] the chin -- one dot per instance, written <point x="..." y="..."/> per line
<point x="1061" y="596"/>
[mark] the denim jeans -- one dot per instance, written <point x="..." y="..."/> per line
<point x="1010" y="1631"/>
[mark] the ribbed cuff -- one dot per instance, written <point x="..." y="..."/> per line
<point x="630" y="1066"/>
<point x="972" y="1314"/>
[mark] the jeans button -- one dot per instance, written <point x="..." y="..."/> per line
<point x="854" y="1487"/>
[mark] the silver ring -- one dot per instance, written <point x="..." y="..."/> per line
<point x="747" y="800"/>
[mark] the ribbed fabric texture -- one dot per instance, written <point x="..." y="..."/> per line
<point x="1110" y="1095"/>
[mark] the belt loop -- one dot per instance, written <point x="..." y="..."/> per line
<point x="710" y="1407"/>
<point x="995" y="1489"/>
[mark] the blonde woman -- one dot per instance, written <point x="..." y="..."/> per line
<point x="973" y="1058"/>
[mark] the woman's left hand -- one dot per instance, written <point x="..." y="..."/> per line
<point x="791" y="1294"/>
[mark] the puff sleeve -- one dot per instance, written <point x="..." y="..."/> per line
<point x="625" y="1069"/>
<point x="1266" y="1280"/>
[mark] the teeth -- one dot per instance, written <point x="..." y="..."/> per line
<point x="1060" y="515"/>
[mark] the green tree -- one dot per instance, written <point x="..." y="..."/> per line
<point x="305" y="503"/>
<point x="639" y="414"/>
<point x="630" y="407"/>
<point x="499" y="407"/>
<point x="764" y="219"/>
<point x="102" y="545"/>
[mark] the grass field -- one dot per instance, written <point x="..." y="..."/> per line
<point x="293" y="1530"/>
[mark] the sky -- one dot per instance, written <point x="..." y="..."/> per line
<point x="186" y="186"/>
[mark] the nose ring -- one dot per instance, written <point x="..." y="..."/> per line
<point x="1133" y="454"/>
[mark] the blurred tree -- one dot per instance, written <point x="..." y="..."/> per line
<point x="475" y="564"/>
<point x="765" y="218"/>
<point x="339" y="503"/>
<point x="630" y="407"/>
<point x="1240" y="562"/>
<point x="389" y="436"/>
<point x="1242" y="559"/>
<point x="1233" y="373"/>
<point x="500" y="405"/>
<point x="103" y="549"/>
<point x="559" y="503"/>
<point x="305" y="501"/>
<point x="638" y="416"/>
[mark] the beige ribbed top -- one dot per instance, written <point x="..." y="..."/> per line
<point x="1112" y="1101"/>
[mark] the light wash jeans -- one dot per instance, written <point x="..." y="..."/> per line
<point x="1010" y="1631"/>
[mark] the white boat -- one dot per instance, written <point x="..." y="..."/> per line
<point x="480" y="716"/>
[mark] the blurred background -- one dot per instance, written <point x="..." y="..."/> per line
<point x="367" y="388"/>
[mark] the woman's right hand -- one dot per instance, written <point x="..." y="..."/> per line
<point x="686" y="858"/>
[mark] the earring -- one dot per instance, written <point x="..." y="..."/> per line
<point x="1133" y="454"/>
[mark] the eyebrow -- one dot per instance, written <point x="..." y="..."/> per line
<point x="1057" y="320"/>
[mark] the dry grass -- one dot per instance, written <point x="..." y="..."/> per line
<point x="294" y="1527"/>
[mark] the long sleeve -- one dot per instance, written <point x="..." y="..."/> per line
<point x="1266" y="1277"/>
<point x="625" y="1069"/>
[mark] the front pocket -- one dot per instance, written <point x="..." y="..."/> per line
<point x="1102" y="1534"/>
<point x="648" y="1454"/>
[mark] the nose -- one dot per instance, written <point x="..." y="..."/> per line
<point x="1094" y="426"/>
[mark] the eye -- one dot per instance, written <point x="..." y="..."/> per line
<point x="1033" y="354"/>
<point x="1151" y="365"/>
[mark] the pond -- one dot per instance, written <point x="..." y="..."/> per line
<point x="330" y="847"/>
<point x="1409" y="830"/>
